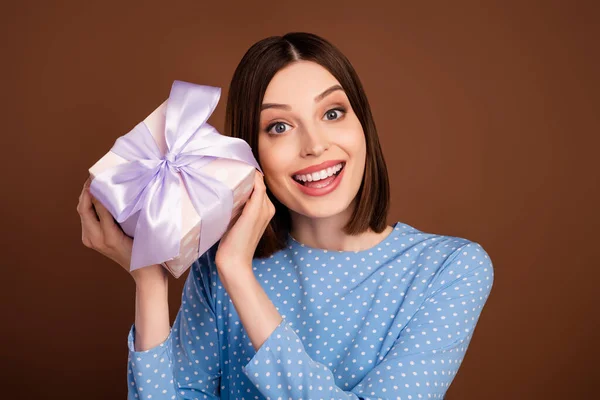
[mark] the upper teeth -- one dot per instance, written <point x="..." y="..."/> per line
<point x="315" y="176"/>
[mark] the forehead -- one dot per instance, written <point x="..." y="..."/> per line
<point x="298" y="82"/>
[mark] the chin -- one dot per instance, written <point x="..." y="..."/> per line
<point x="325" y="212"/>
<point x="319" y="208"/>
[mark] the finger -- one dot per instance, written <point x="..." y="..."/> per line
<point x="255" y="196"/>
<point x="86" y="185"/>
<point x="269" y="208"/>
<point x="89" y="221"/>
<point x="265" y="210"/>
<point x="255" y="201"/>
<point x="259" y="183"/>
<point x="106" y="219"/>
<point x="261" y="179"/>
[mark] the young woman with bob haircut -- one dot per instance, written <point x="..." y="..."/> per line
<point x="309" y="294"/>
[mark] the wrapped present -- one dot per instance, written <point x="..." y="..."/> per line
<point x="174" y="183"/>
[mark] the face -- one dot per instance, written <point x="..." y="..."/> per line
<point x="307" y="120"/>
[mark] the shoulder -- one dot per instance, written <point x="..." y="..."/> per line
<point x="468" y="268"/>
<point x="449" y="259"/>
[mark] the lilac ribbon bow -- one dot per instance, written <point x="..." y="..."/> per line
<point x="148" y="182"/>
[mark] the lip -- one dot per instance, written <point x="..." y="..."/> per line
<point x="321" y="191"/>
<point x="318" y="167"/>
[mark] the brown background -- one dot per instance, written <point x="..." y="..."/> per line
<point x="488" y="115"/>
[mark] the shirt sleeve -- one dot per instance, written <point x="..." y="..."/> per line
<point x="186" y="365"/>
<point x="423" y="360"/>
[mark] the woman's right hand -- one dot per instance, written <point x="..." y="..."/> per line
<point x="100" y="232"/>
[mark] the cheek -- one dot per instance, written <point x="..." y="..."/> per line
<point x="353" y="141"/>
<point x="274" y="159"/>
<point x="266" y="155"/>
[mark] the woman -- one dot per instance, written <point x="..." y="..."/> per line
<point x="310" y="294"/>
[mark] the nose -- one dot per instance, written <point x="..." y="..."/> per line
<point x="314" y="142"/>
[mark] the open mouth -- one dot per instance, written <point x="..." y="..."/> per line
<point x="308" y="181"/>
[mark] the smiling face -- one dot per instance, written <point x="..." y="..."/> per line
<point x="307" y="120"/>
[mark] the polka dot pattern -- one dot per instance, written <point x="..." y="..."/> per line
<point x="390" y="322"/>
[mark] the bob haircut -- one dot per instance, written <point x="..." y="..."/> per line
<point x="242" y="120"/>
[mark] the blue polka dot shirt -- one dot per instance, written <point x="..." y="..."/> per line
<point x="390" y="322"/>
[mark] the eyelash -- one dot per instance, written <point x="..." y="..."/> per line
<point x="273" y="124"/>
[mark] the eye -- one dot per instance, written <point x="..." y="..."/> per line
<point x="279" y="128"/>
<point x="334" y="113"/>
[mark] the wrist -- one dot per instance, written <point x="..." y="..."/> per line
<point x="151" y="275"/>
<point x="239" y="272"/>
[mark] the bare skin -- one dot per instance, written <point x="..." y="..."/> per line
<point x="100" y="232"/>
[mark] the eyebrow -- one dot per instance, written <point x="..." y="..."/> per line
<point x="317" y="99"/>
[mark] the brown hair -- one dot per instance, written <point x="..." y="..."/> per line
<point x="242" y="119"/>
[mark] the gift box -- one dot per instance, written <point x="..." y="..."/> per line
<point x="174" y="183"/>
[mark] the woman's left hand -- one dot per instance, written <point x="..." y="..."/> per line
<point x="238" y="244"/>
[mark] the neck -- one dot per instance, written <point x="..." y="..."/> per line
<point x="328" y="233"/>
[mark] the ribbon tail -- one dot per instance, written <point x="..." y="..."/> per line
<point x="213" y="201"/>
<point x="158" y="232"/>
